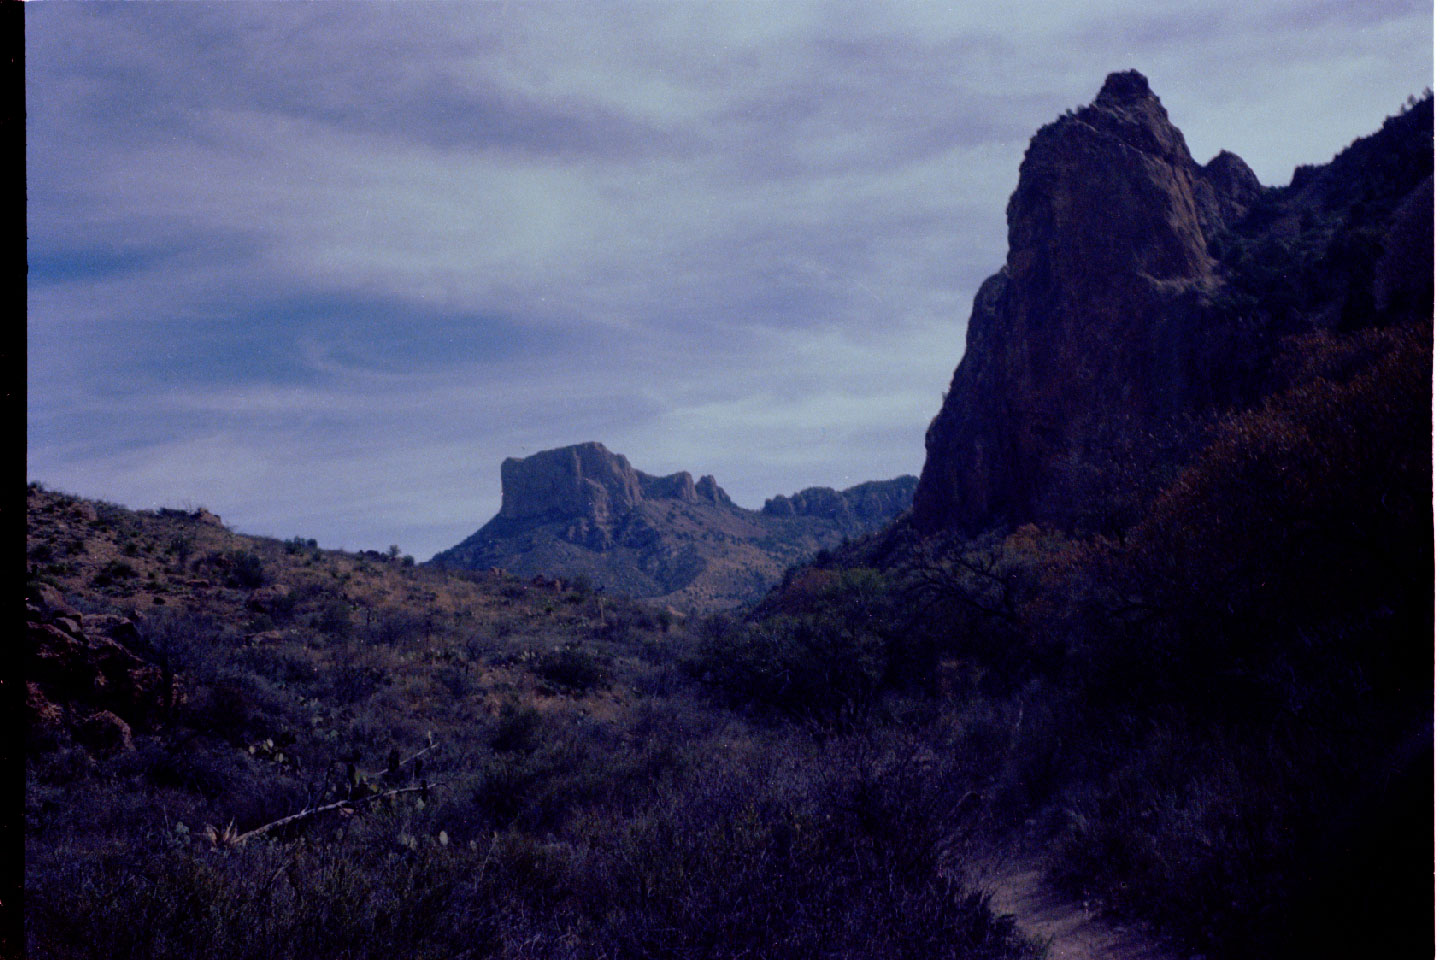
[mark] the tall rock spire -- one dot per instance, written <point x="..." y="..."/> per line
<point x="1085" y="329"/>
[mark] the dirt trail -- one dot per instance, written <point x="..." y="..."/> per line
<point x="1071" y="930"/>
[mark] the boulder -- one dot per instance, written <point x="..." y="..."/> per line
<point x="104" y="733"/>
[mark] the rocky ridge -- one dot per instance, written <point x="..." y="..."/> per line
<point x="1138" y="299"/>
<point x="584" y="511"/>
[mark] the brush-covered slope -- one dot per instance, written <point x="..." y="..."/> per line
<point x="1172" y="551"/>
<point x="584" y="511"/>
<point x="239" y="747"/>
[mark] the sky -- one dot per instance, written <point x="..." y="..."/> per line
<point x="321" y="267"/>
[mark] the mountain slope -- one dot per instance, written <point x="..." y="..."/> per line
<point x="1171" y="561"/>
<point x="584" y="511"/>
<point x="243" y="748"/>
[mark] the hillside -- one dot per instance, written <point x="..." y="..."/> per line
<point x="1172" y="549"/>
<point x="1151" y="658"/>
<point x="582" y="511"/>
<point x="242" y="747"/>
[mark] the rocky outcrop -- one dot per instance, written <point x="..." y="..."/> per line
<point x="868" y="504"/>
<point x="1106" y="272"/>
<point x="588" y="483"/>
<point x="582" y="510"/>
<point x="584" y="481"/>
<point x="86" y="663"/>
<point x="1137" y="299"/>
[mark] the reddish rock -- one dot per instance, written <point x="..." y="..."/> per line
<point x="104" y="732"/>
<point x="39" y="708"/>
<point x="118" y="628"/>
<point x="265" y="599"/>
<point x="49" y="602"/>
<point x="84" y="667"/>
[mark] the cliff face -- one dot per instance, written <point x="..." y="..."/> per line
<point x="584" y="510"/>
<point x="589" y="490"/>
<point x="584" y="481"/>
<point x="867" y="505"/>
<point x="1121" y="318"/>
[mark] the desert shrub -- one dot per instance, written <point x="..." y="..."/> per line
<point x="353" y="680"/>
<point x="456" y="679"/>
<point x="394" y="626"/>
<point x="113" y="572"/>
<point x="572" y="669"/>
<point x="209" y="770"/>
<point x="516" y="729"/>
<point x="237" y="704"/>
<point x="1250" y="670"/>
<point x="235" y="568"/>
<point x="299" y="545"/>
<point x="333" y="618"/>
<point x="246" y="570"/>
<point x="804" y="668"/>
<point x="284" y="665"/>
<point x="711" y="869"/>
<point x="185" y="641"/>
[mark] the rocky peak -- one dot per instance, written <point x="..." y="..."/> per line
<point x="1107" y="268"/>
<point x="589" y="483"/>
<point x="677" y="486"/>
<point x="1123" y="88"/>
<point x="1113" y="332"/>
<point x="708" y="489"/>
<point x="1107" y="197"/>
<point x="581" y="481"/>
<point x="1228" y="189"/>
<point x="1126" y="109"/>
<point x="865" y="504"/>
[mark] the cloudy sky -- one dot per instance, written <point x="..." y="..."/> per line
<point x="321" y="267"/>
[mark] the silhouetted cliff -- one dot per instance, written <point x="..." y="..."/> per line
<point x="1143" y="293"/>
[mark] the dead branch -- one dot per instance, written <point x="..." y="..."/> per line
<point x="337" y="805"/>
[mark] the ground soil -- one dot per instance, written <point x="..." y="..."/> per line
<point x="1072" y="929"/>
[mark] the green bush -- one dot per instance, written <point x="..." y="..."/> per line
<point x="803" y="668"/>
<point x="113" y="572"/>
<point x="572" y="670"/>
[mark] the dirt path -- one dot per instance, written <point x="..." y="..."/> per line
<point x="1072" y="932"/>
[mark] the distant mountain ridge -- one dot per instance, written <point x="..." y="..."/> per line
<point x="584" y="511"/>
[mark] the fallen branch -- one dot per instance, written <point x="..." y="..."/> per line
<point x="399" y="764"/>
<point x="239" y="839"/>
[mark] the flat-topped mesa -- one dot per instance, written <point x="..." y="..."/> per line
<point x="584" y="511"/>
<point x="584" y="480"/>
<point x="1095" y="322"/>
<point x="587" y="481"/>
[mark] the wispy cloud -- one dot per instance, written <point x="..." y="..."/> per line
<point x="321" y="267"/>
